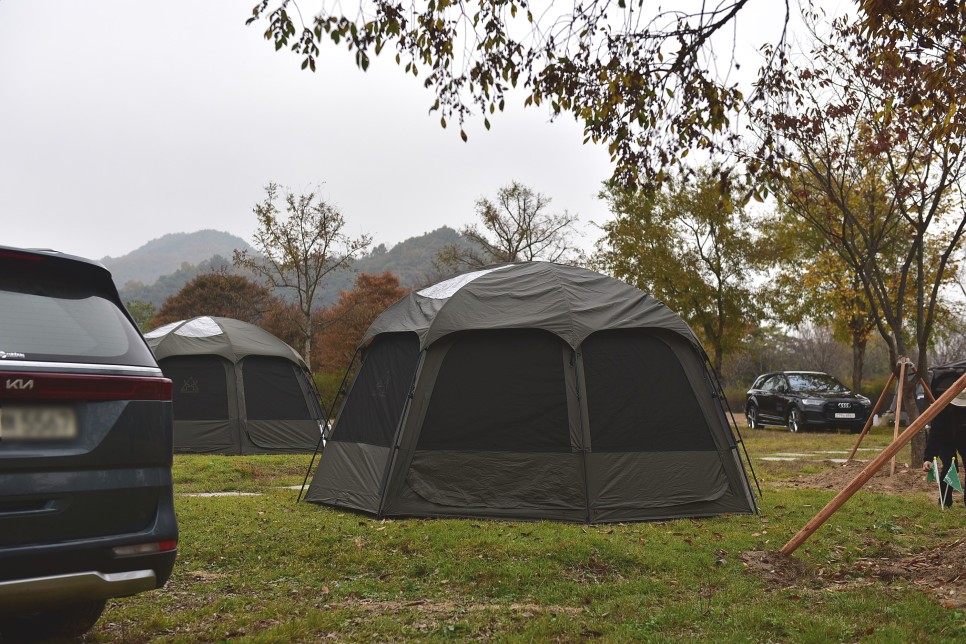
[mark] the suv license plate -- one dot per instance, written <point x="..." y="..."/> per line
<point x="849" y="415"/>
<point x="37" y="423"/>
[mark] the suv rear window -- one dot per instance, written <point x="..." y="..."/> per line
<point x="58" y="311"/>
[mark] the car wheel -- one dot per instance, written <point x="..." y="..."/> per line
<point x="67" y="622"/>
<point x="796" y="422"/>
<point x="751" y="414"/>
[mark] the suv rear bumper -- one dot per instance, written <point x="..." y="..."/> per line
<point x="58" y="590"/>
<point x="39" y="576"/>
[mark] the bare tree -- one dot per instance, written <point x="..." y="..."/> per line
<point x="299" y="248"/>
<point x="517" y="226"/>
<point x="816" y="348"/>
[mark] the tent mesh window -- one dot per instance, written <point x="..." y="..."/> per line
<point x="200" y="386"/>
<point x="379" y="392"/>
<point x="638" y="397"/>
<point x="500" y="391"/>
<point x="272" y="390"/>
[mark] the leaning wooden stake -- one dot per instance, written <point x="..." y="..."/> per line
<point x="868" y="422"/>
<point x="875" y="410"/>
<point x="870" y="469"/>
<point x="899" y="391"/>
<point x="925" y="388"/>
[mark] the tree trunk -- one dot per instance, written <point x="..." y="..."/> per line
<point x="308" y="351"/>
<point x="307" y="342"/>
<point x="858" y="362"/>
<point x="918" y="444"/>
<point x="717" y="360"/>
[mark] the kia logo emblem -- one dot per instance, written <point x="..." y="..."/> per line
<point x="20" y="384"/>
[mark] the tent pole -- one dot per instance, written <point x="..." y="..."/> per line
<point x="394" y="448"/>
<point x="868" y="422"/>
<point x="318" y="445"/>
<point x="309" y="470"/>
<point x="734" y="423"/>
<point x="890" y="451"/>
<point x="577" y="365"/>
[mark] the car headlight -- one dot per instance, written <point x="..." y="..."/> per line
<point x="813" y="402"/>
<point x="865" y="401"/>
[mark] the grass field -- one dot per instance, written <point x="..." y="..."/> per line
<point x="262" y="568"/>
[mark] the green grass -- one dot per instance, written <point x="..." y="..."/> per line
<point x="263" y="568"/>
<point x="820" y="447"/>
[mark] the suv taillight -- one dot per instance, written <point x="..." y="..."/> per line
<point x="66" y="387"/>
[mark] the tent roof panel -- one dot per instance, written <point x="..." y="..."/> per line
<point x="226" y="337"/>
<point x="568" y="301"/>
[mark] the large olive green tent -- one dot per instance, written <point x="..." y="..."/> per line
<point x="532" y="390"/>
<point x="237" y="388"/>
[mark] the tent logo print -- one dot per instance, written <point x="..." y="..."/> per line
<point x="190" y="386"/>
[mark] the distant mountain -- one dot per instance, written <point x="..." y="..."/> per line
<point x="159" y="290"/>
<point x="169" y="254"/>
<point x="410" y="260"/>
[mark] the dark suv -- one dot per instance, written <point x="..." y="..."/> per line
<point x="86" y="504"/>
<point x="803" y="399"/>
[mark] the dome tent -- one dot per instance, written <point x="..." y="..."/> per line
<point x="237" y="388"/>
<point x="537" y="391"/>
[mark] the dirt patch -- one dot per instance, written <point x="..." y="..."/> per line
<point x="940" y="571"/>
<point x="907" y="480"/>
<point x="775" y="569"/>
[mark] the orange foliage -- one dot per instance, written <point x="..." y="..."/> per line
<point x="342" y="325"/>
<point x="218" y="294"/>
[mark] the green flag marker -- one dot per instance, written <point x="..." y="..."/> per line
<point x="952" y="478"/>
<point x="934" y="476"/>
<point x="933" y="472"/>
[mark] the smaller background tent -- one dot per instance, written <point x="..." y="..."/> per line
<point x="950" y="370"/>
<point x="237" y="388"/>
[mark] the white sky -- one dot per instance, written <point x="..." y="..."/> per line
<point x="123" y="121"/>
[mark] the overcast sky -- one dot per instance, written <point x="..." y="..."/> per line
<point x="123" y="121"/>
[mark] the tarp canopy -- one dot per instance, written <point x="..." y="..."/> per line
<point x="237" y="388"/>
<point x="532" y="390"/>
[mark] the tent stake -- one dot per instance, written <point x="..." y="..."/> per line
<point x="863" y="477"/>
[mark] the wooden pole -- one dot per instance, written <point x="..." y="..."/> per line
<point x="899" y="392"/>
<point x="868" y="422"/>
<point x="816" y="522"/>
<point x="925" y="387"/>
